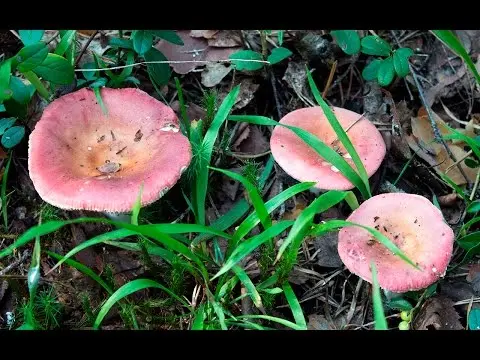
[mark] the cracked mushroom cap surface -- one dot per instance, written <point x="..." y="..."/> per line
<point x="303" y="163"/>
<point x="81" y="158"/>
<point x="412" y="223"/>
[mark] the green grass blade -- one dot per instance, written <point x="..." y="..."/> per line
<point x="454" y="44"/>
<point x="227" y="287"/>
<point x="199" y="320"/>
<point x="322" y="149"/>
<point x="337" y="224"/>
<point x="378" y="312"/>
<point x="340" y="131"/>
<point x="303" y="222"/>
<point x="254" y="194"/>
<point x="207" y="149"/>
<point x="130" y="288"/>
<point x="274" y="319"/>
<point x="82" y="268"/>
<point x="249" y="325"/>
<point x="252" y="220"/>
<point x="65" y="42"/>
<point x="270" y="281"/>
<point x="137" y="206"/>
<point x="294" y="306"/>
<point x="218" y="309"/>
<point x="247" y="246"/>
<point x="183" y="111"/>
<point x="249" y="286"/>
<point x="4" y="191"/>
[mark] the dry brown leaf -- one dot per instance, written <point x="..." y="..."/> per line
<point x="438" y="313"/>
<point x="247" y="92"/>
<point x="296" y="211"/>
<point x="442" y="88"/>
<point x="225" y="38"/>
<point x="319" y="322"/>
<point x="194" y="112"/>
<point x="423" y="142"/>
<point x="242" y="133"/>
<point x="254" y="143"/>
<point x="214" y="73"/>
<point x="448" y="200"/>
<point x="326" y="249"/>
<point x="207" y="34"/>
<point x="193" y="49"/>
<point x="473" y="272"/>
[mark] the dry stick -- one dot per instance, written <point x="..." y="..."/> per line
<point x="15" y="263"/>
<point x="85" y="47"/>
<point x="330" y="79"/>
<point x="433" y="123"/>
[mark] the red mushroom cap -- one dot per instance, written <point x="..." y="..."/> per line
<point x="410" y="221"/>
<point x="303" y="163"/>
<point x="80" y="158"/>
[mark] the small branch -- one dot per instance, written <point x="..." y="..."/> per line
<point x="85" y="48"/>
<point x="15" y="263"/>
<point x="330" y="79"/>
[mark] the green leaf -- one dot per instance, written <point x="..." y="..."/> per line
<point x="30" y="37"/>
<point x="249" y="286"/>
<point x="247" y="60"/>
<point x="13" y="136"/>
<point x="280" y="37"/>
<point x="471" y="163"/>
<point x="159" y="72"/>
<point x="378" y="312"/>
<point x="90" y="75"/>
<point x="342" y="136"/>
<point x="370" y="71"/>
<point x="22" y="93"/>
<point x="473" y="207"/>
<point x="470" y="241"/>
<point x="126" y="72"/>
<point x="56" y="69"/>
<point x="66" y="41"/>
<point x="294" y="306"/>
<point x="386" y="72"/>
<point x="130" y="288"/>
<point x="278" y="54"/>
<point x="121" y="43"/>
<point x="348" y="40"/>
<point x="5" y="73"/>
<point x="2" y="108"/>
<point x="142" y="41"/>
<point x="474" y="319"/>
<point x="454" y="44"/>
<point x="6" y="123"/>
<point x="199" y="320"/>
<point x="400" y="304"/>
<point x="375" y="45"/>
<point x="169" y="35"/>
<point x="400" y="61"/>
<point x="31" y="56"/>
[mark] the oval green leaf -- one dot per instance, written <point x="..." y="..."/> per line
<point x="375" y="45"/>
<point x="30" y="37"/>
<point x="5" y="74"/>
<point x="22" y="93"/>
<point x="348" y="40"/>
<point x="159" y="72"/>
<point x="142" y="41"/>
<point x="56" y="69"/>
<point x="400" y="61"/>
<point x="247" y="60"/>
<point x="13" y="136"/>
<point x="370" y="71"/>
<point x="6" y="123"/>
<point x="168" y="35"/>
<point x="473" y="207"/>
<point x="31" y="56"/>
<point x="278" y="54"/>
<point x="386" y="72"/>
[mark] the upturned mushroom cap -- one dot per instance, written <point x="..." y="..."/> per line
<point x="412" y="223"/>
<point x="303" y="163"/>
<point x="80" y="158"/>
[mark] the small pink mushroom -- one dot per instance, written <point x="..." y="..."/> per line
<point x="414" y="225"/>
<point x="303" y="163"/>
<point x="80" y="158"/>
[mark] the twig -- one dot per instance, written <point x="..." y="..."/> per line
<point x="330" y="79"/>
<point x="85" y="48"/>
<point x="275" y="94"/>
<point x="16" y="34"/>
<point x="15" y="263"/>
<point x="54" y="36"/>
<point x="475" y="186"/>
<point x="433" y="123"/>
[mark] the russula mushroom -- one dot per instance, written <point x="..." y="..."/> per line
<point x="303" y="163"/>
<point x="83" y="159"/>
<point x="414" y="225"/>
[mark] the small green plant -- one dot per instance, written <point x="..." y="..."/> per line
<point x="387" y="63"/>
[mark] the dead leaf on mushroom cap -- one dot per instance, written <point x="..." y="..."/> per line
<point x="422" y="141"/>
<point x="193" y="49"/>
<point x="438" y="313"/>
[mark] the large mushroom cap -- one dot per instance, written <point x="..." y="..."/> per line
<point x="410" y="221"/>
<point x="303" y="163"/>
<point x="80" y="158"/>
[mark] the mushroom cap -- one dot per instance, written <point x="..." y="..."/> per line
<point x="80" y="158"/>
<point x="412" y="223"/>
<point x="303" y="163"/>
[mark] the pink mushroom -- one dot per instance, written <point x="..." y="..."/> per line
<point x="303" y="163"/>
<point x="416" y="227"/>
<point x="80" y="158"/>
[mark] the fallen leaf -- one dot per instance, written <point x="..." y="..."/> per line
<point x="246" y="94"/>
<point x="326" y="250"/>
<point x="319" y="322"/>
<point x="242" y="133"/>
<point x="422" y="141"/>
<point x="448" y="200"/>
<point x="438" y="313"/>
<point x="254" y="143"/>
<point x="225" y="38"/>
<point x="207" y="34"/>
<point x="295" y="76"/>
<point x="214" y="73"/>
<point x="292" y="214"/>
<point x="193" y="49"/>
<point x="473" y="272"/>
<point x="443" y="87"/>
<point x="194" y="112"/>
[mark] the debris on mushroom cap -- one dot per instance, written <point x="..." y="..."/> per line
<point x="303" y="163"/>
<point x="414" y="225"/>
<point x="80" y="158"/>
